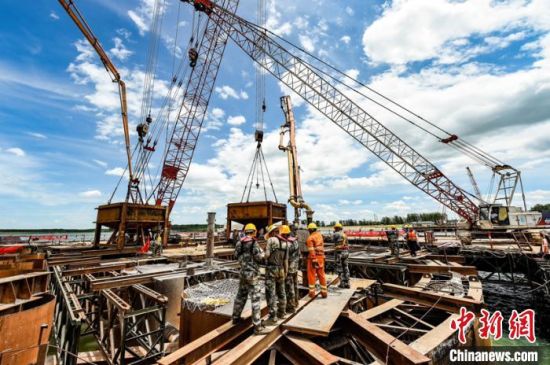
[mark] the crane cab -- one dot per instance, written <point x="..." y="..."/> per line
<point x="501" y="216"/>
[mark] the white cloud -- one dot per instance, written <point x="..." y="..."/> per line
<point x="142" y="15"/>
<point x="236" y="120"/>
<point x="117" y="171"/>
<point x="345" y="39"/>
<point x="90" y="194"/>
<point x="53" y="15"/>
<point x="307" y="43"/>
<point x="274" y="22"/>
<point x="214" y="119"/>
<point x="86" y="69"/>
<point x="37" y="135"/>
<point x="120" y="51"/>
<point x="16" y="151"/>
<point x="349" y="11"/>
<point x="225" y="92"/>
<point x="100" y="163"/>
<point x="420" y="30"/>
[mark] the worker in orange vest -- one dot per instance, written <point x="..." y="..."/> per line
<point x="412" y="241"/>
<point x="316" y="261"/>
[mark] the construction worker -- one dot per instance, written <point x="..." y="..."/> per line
<point x="291" y="282"/>
<point x="276" y="255"/>
<point x="393" y="241"/>
<point x="157" y="245"/>
<point x="316" y="260"/>
<point x="250" y="255"/>
<point x="341" y="255"/>
<point x="412" y="240"/>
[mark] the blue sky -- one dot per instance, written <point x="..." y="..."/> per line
<point x="479" y="68"/>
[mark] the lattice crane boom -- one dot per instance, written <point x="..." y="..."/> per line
<point x="305" y="81"/>
<point x="186" y="131"/>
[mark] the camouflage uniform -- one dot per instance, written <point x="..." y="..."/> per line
<point x="157" y="246"/>
<point x="276" y="253"/>
<point x="249" y="254"/>
<point x="393" y="237"/>
<point x="341" y="254"/>
<point x="291" y="282"/>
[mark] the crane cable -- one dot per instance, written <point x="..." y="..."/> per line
<point x="163" y="116"/>
<point x="173" y="95"/>
<point x="463" y="146"/>
<point x="152" y="57"/>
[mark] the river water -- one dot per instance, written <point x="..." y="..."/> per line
<point x="505" y="297"/>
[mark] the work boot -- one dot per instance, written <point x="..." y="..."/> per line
<point x="236" y="320"/>
<point x="290" y="310"/>
<point x="271" y="321"/>
<point x="311" y="294"/>
<point x="282" y="315"/>
<point x="259" y="330"/>
<point x="347" y="286"/>
<point x="324" y="295"/>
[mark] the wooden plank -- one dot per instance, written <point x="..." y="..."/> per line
<point x="382" y="344"/>
<point x="430" y="298"/>
<point x="441" y="269"/>
<point x="318" y="317"/>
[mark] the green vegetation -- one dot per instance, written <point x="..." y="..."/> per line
<point x="192" y="227"/>
<point x="435" y="217"/>
<point x="541" y="208"/>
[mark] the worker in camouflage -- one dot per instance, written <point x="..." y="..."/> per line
<point x="157" y="245"/>
<point x="291" y="281"/>
<point x="250" y="255"/>
<point x="276" y="254"/>
<point x="341" y="255"/>
<point x="393" y="241"/>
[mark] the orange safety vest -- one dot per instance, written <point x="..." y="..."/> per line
<point x="412" y="235"/>
<point x="315" y="245"/>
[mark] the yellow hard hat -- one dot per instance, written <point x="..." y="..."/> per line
<point x="338" y="225"/>
<point x="284" y="229"/>
<point x="312" y="226"/>
<point x="250" y="227"/>
<point x="270" y="229"/>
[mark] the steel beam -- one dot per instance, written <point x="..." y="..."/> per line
<point x="441" y="269"/>
<point x="442" y="301"/>
<point x="303" y="351"/>
<point x="380" y="343"/>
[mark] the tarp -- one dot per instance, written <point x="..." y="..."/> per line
<point x="4" y="250"/>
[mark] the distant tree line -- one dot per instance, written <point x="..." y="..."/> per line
<point x="435" y="217"/>
<point x="192" y="227"/>
<point x="541" y="208"/>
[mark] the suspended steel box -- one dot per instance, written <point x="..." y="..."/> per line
<point x="134" y="219"/>
<point x="261" y="213"/>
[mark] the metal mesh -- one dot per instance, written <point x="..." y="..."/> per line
<point x="210" y="295"/>
<point x="453" y="286"/>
